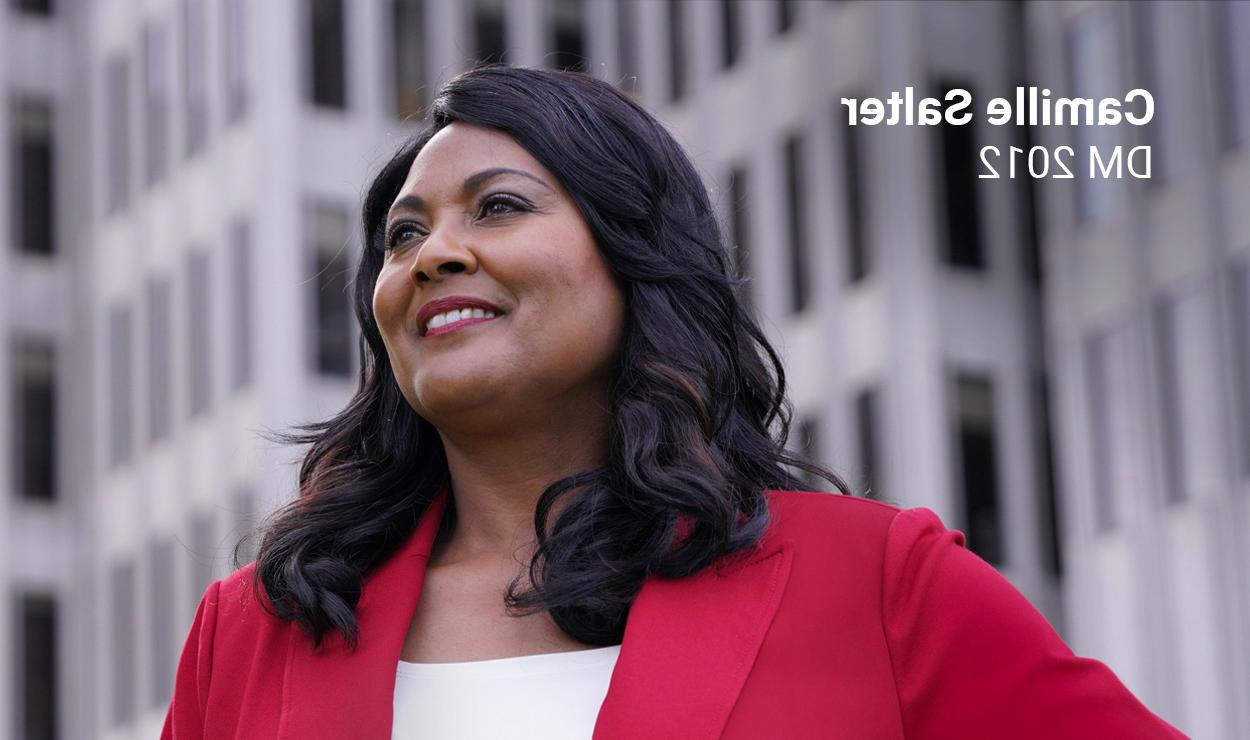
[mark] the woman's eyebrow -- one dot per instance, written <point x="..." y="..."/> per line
<point x="475" y="181"/>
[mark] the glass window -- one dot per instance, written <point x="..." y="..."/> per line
<point x="627" y="44"/>
<point x="34" y="414"/>
<point x="867" y="427"/>
<point x="490" y="38"/>
<point x="194" y="75"/>
<point x="854" y="188"/>
<point x="33" y="171"/>
<point x="39" y="653"/>
<point x="569" y="30"/>
<point x="327" y="49"/>
<point x="203" y="560"/>
<point x="1188" y="383"/>
<point x="408" y="24"/>
<point x="160" y="359"/>
<point x="1233" y="28"/>
<point x="333" y="338"/>
<point x="676" y="51"/>
<point x="1030" y="231"/>
<point x="1113" y="425"/>
<point x="730" y="32"/>
<point x="796" y="216"/>
<point x="155" y="103"/>
<point x="122" y="643"/>
<point x="1240" y="276"/>
<point x="117" y="134"/>
<point x="740" y="231"/>
<point x="810" y="444"/>
<point x="1048" y="507"/>
<point x="246" y="512"/>
<point x="977" y="464"/>
<point x="119" y="393"/>
<point x="1151" y="38"/>
<point x="1093" y="72"/>
<point x="165" y="637"/>
<point x="961" y="205"/>
<point x="33" y="7"/>
<point x="785" y="14"/>
<point x="242" y="314"/>
<point x="199" y="331"/>
<point x="235" y="57"/>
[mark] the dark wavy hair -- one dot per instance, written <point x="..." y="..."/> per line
<point x="700" y="416"/>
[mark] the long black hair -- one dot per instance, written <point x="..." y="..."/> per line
<point x="700" y="416"/>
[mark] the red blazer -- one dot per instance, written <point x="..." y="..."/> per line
<point x="852" y="619"/>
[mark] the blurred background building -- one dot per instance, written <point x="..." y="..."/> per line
<point x="1059" y="368"/>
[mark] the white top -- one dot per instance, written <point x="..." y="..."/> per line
<point x="554" y="696"/>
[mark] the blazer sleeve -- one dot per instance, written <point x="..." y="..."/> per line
<point x="185" y="717"/>
<point x="973" y="659"/>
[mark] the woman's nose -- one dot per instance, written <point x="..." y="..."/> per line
<point x="443" y="253"/>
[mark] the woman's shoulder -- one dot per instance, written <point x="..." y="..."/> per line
<point x="234" y="603"/>
<point x="839" y="528"/>
<point x="794" y="512"/>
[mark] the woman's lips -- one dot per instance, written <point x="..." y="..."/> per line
<point x="455" y="326"/>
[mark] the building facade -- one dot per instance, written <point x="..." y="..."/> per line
<point x="180" y="221"/>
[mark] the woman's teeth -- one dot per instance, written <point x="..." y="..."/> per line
<point x="451" y="317"/>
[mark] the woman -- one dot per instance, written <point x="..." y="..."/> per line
<point x="558" y="506"/>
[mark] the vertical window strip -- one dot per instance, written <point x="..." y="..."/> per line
<point x="854" y="187"/>
<point x="1111" y="424"/>
<point x="235" y="57"/>
<point x="490" y="34"/>
<point x="1093" y="73"/>
<point x="867" y="427"/>
<point x="327" y="54"/>
<point x="408" y="22"/>
<point x="122" y="644"/>
<point x="164" y="637"/>
<point x="242" y="313"/>
<point x="569" y="35"/>
<point x="800" y="276"/>
<point x="160" y="358"/>
<point x="203" y="555"/>
<point x="1233" y="67"/>
<point x="35" y="427"/>
<point x="199" y="331"/>
<point x="195" y="79"/>
<point x="740" y="232"/>
<point x="730" y="32"/>
<point x="977" y="464"/>
<point x="156" y="103"/>
<point x="958" y="185"/>
<point x="119" y="393"/>
<point x="117" y="133"/>
<point x="38" y="645"/>
<point x="33" y="187"/>
<point x="1048" y="505"/>
<point x="1240" y="275"/>
<point x="627" y="45"/>
<point x="676" y="51"/>
<point x="332" y="338"/>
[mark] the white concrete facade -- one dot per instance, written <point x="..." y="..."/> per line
<point x="1143" y="305"/>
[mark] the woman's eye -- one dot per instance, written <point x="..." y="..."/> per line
<point x="500" y="205"/>
<point x="401" y="233"/>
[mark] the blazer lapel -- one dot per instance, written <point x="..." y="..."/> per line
<point x="689" y="645"/>
<point x="337" y="693"/>
<point x="688" y="648"/>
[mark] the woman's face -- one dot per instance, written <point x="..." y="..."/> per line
<point x="480" y="224"/>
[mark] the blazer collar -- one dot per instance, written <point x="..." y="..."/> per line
<point x="689" y="645"/>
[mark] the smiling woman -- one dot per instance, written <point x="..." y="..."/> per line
<point x="560" y="503"/>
